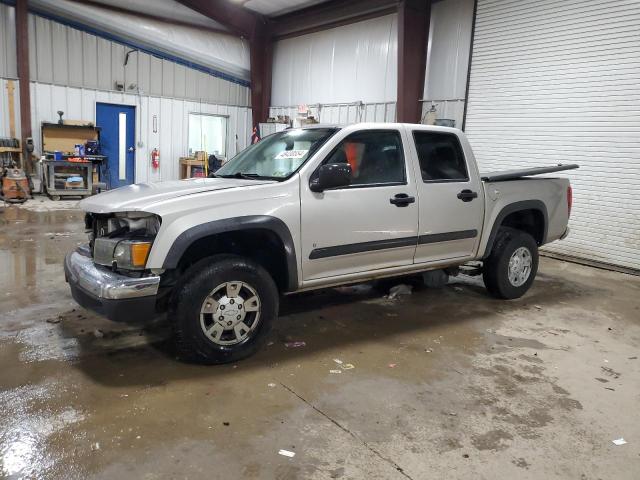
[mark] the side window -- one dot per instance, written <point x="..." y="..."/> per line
<point x="375" y="157"/>
<point x="441" y="157"/>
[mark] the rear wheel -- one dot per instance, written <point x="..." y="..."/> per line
<point x="511" y="267"/>
<point x="223" y="309"/>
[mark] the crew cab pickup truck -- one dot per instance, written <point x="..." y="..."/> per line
<point x="306" y="209"/>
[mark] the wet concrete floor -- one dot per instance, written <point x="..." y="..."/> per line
<point x="446" y="383"/>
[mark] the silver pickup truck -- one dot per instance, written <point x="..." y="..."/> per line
<point x="305" y="209"/>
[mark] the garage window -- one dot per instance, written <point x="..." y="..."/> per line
<point x="208" y="133"/>
<point x="441" y="157"/>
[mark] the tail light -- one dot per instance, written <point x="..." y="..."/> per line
<point x="569" y="198"/>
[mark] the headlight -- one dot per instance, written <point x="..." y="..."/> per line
<point x="125" y="254"/>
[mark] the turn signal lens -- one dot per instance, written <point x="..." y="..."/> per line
<point x="139" y="254"/>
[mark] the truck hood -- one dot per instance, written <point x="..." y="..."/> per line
<point x="142" y="196"/>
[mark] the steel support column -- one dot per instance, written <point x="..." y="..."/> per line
<point x="261" y="58"/>
<point x="22" y="56"/>
<point x="413" y="37"/>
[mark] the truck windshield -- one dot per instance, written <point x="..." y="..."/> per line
<point x="276" y="156"/>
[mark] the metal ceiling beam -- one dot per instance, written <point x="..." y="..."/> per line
<point x="413" y="37"/>
<point x="238" y="19"/>
<point x="330" y="14"/>
<point x="22" y="56"/>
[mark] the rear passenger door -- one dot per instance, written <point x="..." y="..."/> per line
<point x="450" y="198"/>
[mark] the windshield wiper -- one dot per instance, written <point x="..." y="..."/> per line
<point x="243" y="175"/>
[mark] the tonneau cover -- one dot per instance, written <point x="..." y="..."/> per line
<point x="527" y="172"/>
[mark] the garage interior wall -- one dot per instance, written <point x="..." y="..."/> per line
<point x="71" y="70"/>
<point x="448" y="59"/>
<point x="348" y="74"/>
<point x="345" y="74"/>
<point x="557" y="82"/>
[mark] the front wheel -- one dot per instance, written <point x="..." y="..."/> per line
<point x="222" y="309"/>
<point x="511" y="267"/>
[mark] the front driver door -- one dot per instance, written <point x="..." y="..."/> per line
<point x="357" y="228"/>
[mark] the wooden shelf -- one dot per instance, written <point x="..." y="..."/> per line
<point x="10" y="149"/>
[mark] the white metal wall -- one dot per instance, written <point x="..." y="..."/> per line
<point x="338" y="69"/>
<point x="224" y="53"/>
<point x="169" y="115"/>
<point x="8" y="65"/>
<point x="72" y="70"/>
<point x="448" y="58"/>
<point x="356" y="62"/>
<point x="62" y="55"/>
<point x="558" y="81"/>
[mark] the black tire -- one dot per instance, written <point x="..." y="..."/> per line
<point x="196" y="285"/>
<point x="495" y="270"/>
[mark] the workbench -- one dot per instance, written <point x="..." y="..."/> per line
<point x="56" y="173"/>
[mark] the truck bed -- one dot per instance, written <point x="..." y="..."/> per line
<point x="527" y="172"/>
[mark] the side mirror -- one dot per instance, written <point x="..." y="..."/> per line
<point x="331" y="175"/>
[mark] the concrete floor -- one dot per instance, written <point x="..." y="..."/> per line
<point x="447" y="383"/>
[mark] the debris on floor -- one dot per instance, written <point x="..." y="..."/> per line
<point x="402" y="289"/>
<point x="295" y="344"/>
<point x="344" y="366"/>
<point x="271" y="385"/>
<point x="98" y="333"/>
<point x="393" y="365"/>
<point x="95" y="446"/>
<point x="54" y="320"/>
<point x="619" y="441"/>
<point x="286" y="453"/>
<point x="335" y="371"/>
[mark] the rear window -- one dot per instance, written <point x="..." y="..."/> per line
<point x="441" y="158"/>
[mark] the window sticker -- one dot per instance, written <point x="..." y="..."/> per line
<point x="291" y="154"/>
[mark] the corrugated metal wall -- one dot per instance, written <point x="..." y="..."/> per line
<point x="8" y="65"/>
<point x="558" y="81"/>
<point x="169" y="115"/>
<point x="72" y="70"/>
<point x="62" y="55"/>
<point x="338" y="68"/>
<point x="448" y="58"/>
<point x="351" y="63"/>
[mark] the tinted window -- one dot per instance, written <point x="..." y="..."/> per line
<point x="375" y="157"/>
<point x="441" y="157"/>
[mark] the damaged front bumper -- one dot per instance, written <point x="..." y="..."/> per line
<point x="116" y="296"/>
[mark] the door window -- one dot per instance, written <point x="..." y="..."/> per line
<point x="441" y="157"/>
<point x="375" y="156"/>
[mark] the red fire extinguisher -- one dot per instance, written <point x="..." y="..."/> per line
<point x="155" y="158"/>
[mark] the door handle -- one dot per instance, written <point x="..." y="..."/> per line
<point x="401" y="200"/>
<point x="467" y="195"/>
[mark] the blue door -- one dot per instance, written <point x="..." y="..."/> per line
<point x="117" y="142"/>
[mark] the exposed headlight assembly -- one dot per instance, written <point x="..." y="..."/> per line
<point x="120" y="253"/>
<point x="123" y="240"/>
